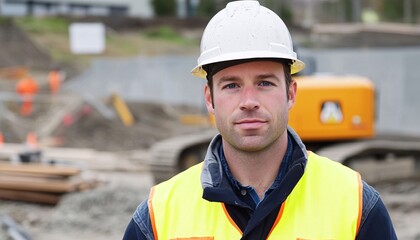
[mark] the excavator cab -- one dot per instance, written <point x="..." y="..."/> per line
<point x="333" y="108"/>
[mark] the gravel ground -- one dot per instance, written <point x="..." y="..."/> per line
<point x="101" y="213"/>
<point x="403" y="202"/>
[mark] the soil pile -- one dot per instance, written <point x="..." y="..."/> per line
<point x="153" y="122"/>
<point x="21" y="50"/>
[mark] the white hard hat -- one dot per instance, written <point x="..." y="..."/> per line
<point x="245" y="30"/>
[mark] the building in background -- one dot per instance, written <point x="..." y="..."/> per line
<point x="131" y="8"/>
<point x="305" y="13"/>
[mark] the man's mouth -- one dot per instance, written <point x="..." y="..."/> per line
<point x="250" y="123"/>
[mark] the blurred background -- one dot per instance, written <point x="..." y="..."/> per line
<point x="95" y="84"/>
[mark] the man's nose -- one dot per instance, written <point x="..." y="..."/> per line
<point x="249" y="100"/>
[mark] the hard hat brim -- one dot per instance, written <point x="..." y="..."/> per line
<point x="296" y="66"/>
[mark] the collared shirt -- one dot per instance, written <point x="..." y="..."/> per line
<point x="248" y="193"/>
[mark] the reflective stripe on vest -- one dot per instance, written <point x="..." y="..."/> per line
<point x="325" y="204"/>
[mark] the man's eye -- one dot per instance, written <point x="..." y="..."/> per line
<point x="230" y="86"/>
<point x="266" y="83"/>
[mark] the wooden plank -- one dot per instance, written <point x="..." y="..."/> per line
<point x="45" y="176"/>
<point x="37" y="184"/>
<point x="36" y="197"/>
<point x="54" y="170"/>
<point x="87" y="184"/>
<point x="54" y="185"/>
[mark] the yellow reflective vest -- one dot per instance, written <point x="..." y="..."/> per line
<point x="325" y="204"/>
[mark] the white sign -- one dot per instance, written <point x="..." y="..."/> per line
<point x="331" y="113"/>
<point x="87" y="38"/>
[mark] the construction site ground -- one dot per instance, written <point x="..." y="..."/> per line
<point x="107" y="150"/>
<point x="89" y="134"/>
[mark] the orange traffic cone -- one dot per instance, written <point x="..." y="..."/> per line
<point x="1" y="139"/>
<point x="31" y="140"/>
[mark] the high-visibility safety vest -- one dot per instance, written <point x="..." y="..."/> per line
<point x="325" y="204"/>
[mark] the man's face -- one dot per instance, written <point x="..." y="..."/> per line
<point x="251" y="104"/>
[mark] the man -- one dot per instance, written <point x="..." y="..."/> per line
<point x="257" y="180"/>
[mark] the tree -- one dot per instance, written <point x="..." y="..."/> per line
<point x="163" y="8"/>
<point x="206" y="8"/>
<point x="392" y="10"/>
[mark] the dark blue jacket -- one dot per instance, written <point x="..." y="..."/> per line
<point x="254" y="217"/>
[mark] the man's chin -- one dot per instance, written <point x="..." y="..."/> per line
<point x="252" y="143"/>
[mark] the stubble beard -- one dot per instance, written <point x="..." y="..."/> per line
<point x="257" y="141"/>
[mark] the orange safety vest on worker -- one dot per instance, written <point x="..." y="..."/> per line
<point x="325" y="204"/>
<point x="27" y="88"/>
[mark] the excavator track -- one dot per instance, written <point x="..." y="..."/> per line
<point x="386" y="158"/>
<point x="173" y="155"/>
<point x="381" y="159"/>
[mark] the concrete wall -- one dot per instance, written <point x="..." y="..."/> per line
<point x="140" y="8"/>
<point x="163" y="79"/>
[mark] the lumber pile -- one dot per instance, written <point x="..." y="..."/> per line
<point x="41" y="183"/>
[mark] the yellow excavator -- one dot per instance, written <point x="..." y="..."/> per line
<point x="331" y="108"/>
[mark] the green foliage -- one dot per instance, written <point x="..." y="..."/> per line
<point x="286" y="14"/>
<point x="282" y="8"/>
<point x="167" y="33"/>
<point x="5" y="21"/>
<point x="163" y="32"/>
<point x="206" y="8"/>
<point x="43" y="24"/>
<point x="164" y="7"/>
<point x="392" y="10"/>
<point x="347" y="6"/>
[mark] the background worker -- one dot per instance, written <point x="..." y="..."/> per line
<point x="257" y="180"/>
<point x="27" y="88"/>
<point x="55" y="77"/>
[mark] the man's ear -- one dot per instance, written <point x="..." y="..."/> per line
<point x="292" y="93"/>
<point x="209" y="100"/>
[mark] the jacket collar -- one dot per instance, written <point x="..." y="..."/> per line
<point x="215" y="183"/>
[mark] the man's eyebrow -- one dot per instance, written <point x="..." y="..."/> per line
<point x="228" y="78"/>
<point x="267" y="75"/>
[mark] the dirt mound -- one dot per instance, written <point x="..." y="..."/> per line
<point x="153" y="122"/>
<point x="19" y="50"/>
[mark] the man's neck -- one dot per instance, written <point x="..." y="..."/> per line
<point x="256" y="169"/>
